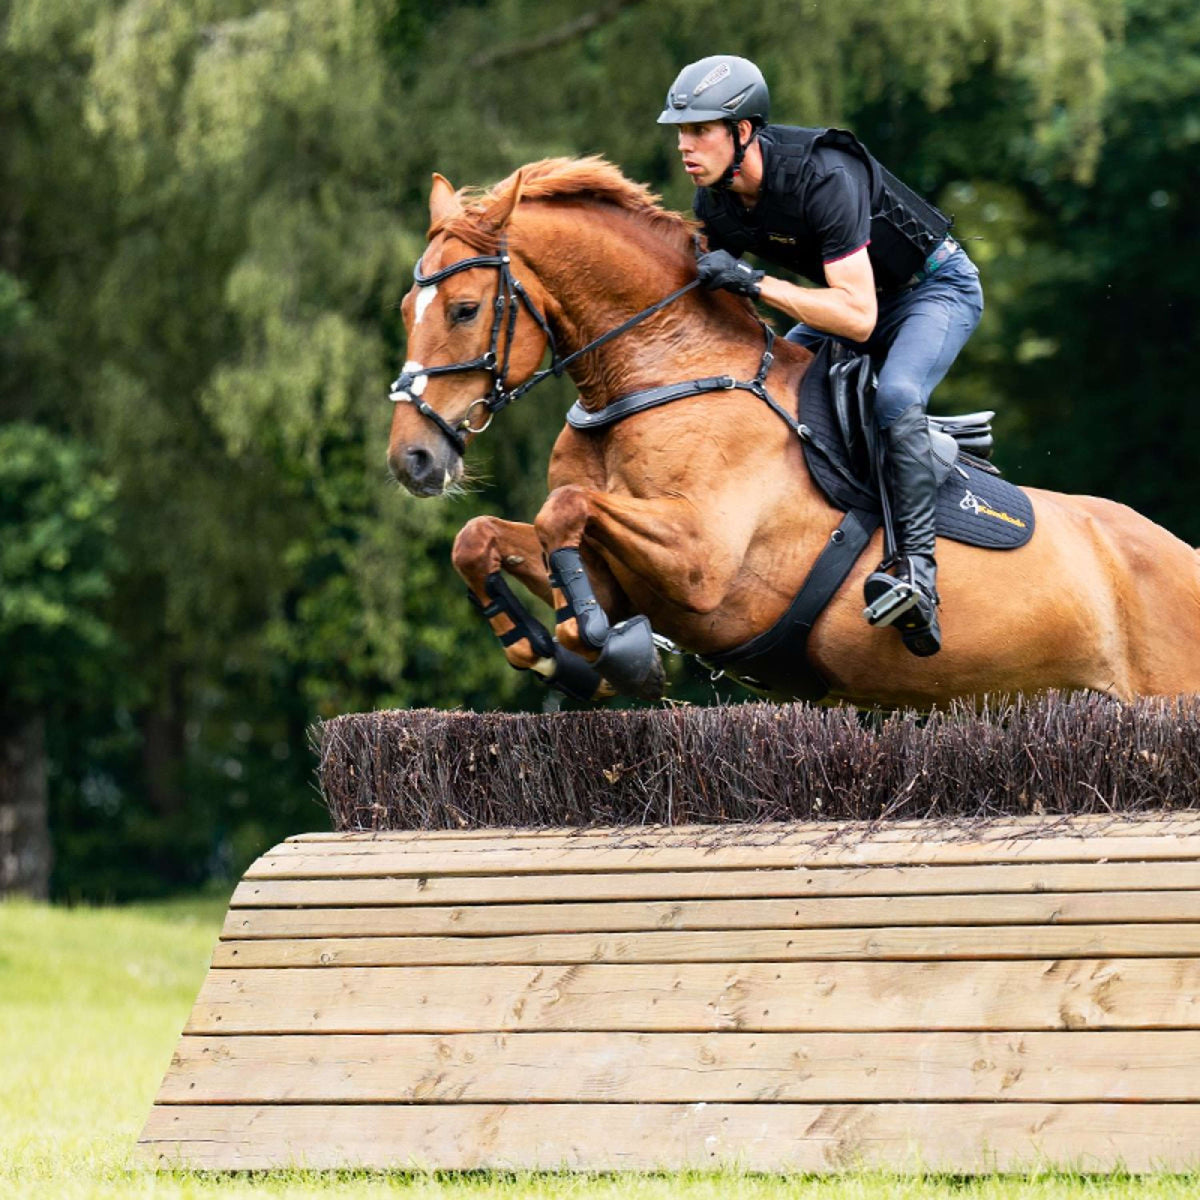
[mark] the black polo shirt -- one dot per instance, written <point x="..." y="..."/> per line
<point x="834" y="220"/>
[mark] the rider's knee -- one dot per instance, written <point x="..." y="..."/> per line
<point x="893" y="398"/>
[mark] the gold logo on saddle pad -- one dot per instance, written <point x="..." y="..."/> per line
<point x="972" y="503"/>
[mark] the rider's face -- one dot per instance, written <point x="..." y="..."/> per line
<point x="707" y="151"/>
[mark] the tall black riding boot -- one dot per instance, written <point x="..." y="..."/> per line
<point x="908" y="599"/>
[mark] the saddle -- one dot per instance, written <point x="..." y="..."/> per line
<point x="975" y="505"/>
<point x="842" y="451"/>
<point x="852" y="385"/>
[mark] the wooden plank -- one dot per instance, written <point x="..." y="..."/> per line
<point x="759" y="945"/>
<point x="834" y="912"/>
<point x="799" y="997"/>
<point x="1152" y="822"/>
<point x="425" y="859"/>
<point x="738" y="883"/>
<point x="666" y="1067"/>
<point x="761" y="1137"/>
<point x="718" y="885"/>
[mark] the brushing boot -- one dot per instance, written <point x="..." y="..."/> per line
<point x="903" y="593"/>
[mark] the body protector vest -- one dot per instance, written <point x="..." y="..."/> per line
<point x="905" y="228"/>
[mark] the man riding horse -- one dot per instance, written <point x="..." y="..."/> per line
<point x="890" y="283"/>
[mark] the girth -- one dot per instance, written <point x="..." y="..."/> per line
<point x="776" y="661"/>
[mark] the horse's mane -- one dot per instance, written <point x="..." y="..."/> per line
<point x="486" y="212"/>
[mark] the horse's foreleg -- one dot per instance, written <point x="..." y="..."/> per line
<point x="658" y="540"/>
<point x="688" y="557"/>
<point x="486" y="547"/>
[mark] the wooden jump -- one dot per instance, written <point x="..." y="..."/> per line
<point x="807" y="997"/>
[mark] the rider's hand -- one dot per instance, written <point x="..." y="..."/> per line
<point x="719" y="269"/>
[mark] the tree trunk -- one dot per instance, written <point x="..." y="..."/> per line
<point x="164" y="745"/>
<point x="25" y="853"/>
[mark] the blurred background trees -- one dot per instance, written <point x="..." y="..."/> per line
<point x="209" y="213"/>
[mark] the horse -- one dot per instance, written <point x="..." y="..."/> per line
<point x="698" y="519"/>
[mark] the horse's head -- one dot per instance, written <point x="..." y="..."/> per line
<point x="474" y="332"/>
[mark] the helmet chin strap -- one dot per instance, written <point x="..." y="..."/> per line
<point x="739" y="152"/>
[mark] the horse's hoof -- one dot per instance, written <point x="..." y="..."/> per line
<point x="630" y="661"/>
<point x="575" y="677"/>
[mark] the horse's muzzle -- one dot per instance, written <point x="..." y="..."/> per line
<point x="421" y="471"/>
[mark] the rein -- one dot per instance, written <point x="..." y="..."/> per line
<point x="510" y="296"/>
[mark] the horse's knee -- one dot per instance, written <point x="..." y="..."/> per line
<point x="474" y="547"/>
<point x="561" y="520"/>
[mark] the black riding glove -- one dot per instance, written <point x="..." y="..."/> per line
<point x="719" y="269"/>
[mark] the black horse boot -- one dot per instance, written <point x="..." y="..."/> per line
<point x="908" y="599"/>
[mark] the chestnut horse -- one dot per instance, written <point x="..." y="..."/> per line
<point x="701" y="514"/>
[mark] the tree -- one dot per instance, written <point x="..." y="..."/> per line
<point x="1112" y="303"/>
<point x="209" y="213"/>
<point x="56" y="563"/>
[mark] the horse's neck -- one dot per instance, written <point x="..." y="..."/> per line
<point x="602" y="269"/>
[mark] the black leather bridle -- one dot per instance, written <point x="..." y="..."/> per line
<point x="510" y="296"/>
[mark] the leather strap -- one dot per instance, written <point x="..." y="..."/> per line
<point x="504" y="600"/>
<point x="777" y="660"/>
<point x="579" y="417"/>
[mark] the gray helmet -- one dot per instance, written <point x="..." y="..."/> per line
<point x="721" y="87"/>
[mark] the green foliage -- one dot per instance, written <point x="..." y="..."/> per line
<point x="208" y="216"/>
<point x="1114" y="296"/>
<point x="56" y="565"/>
<point x="15" y="310"/>
<point x="601" y="92"/>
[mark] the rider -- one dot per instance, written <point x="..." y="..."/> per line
<point x="890" y="282"/>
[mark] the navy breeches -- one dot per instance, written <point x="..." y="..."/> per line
<point x="918" y="334"/>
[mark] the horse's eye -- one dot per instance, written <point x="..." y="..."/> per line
<point x="462" y="311"/>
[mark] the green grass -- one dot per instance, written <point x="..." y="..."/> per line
<point x="91" y="1004"/>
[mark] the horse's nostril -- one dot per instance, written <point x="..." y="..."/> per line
<point x="417" y="463"/>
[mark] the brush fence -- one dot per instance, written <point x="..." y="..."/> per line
<point x="798" y="997"/>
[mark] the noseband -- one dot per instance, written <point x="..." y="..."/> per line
<point x="510" y="296"/>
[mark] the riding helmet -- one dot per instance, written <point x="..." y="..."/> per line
<point x="721" y="87"/>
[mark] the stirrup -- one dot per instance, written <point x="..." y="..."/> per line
<point x="897" y="601"/>
<point x="888" y="598"/>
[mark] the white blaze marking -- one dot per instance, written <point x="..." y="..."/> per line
<point x="424" y="300"/>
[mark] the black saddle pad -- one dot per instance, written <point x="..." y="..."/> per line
<point x="983" y="510"/>
<point x="973" y="506"/>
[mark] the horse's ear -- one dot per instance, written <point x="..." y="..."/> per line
<point x="499" y="214"/>
<point x="443" y="200"/>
